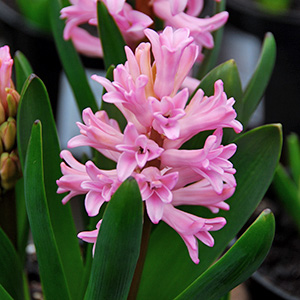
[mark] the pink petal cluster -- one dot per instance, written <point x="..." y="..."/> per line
<point x="131" y="22"/>
<point x="159" y="121"/>
<point x="6" y="64"/>
<point x="179" y="14"/>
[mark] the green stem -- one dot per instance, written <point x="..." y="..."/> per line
<point x="140" y="264"/>
<point x="8" y="221"/>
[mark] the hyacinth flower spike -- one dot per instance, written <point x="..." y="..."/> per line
<point x="159" y="121"/>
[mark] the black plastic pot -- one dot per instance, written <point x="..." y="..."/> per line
<point x="37" y="46"/>
<point x="282" y="97"/>
<point x="260" y="287"/>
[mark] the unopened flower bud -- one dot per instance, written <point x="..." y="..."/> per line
<point x="2" y="114"/>
<point x="8" y="131"/>
<point x="10" y="169"/>
<point x="12" y="99"/>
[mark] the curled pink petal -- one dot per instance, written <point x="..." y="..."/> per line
<point x="206" y="113"/>
<point x="73" y="175"/>
<point x="190" y="227"/>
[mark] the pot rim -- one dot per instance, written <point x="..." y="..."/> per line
<point x="258" y="277"/>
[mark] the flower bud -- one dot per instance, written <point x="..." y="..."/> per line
<point x="10" y="169"/>
<point x="12" y="99"/>
<point x="2" y="114"/>
<point x="8" y="131"/>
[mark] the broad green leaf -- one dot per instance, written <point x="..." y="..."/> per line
<point x="4" y="295"/>
<point x="50" y="265"/>
<point x="255" y="161"/>
<point x="23" y="69"/>
<point x="36" y="13"/>
<point x="226" y="297"/>
<point x="238" y="264"/>
<point x="211" y="55"/>
<point x="22" y="220"/>
<point x="260" y="78"/>
<point x="71" y="61"/>
<point x="118" y="245"/>
<point x="10" y="270"/>
<point x="293" y="148"/>
<point x="26" y="289"/>
<point x="34" y="104"/>
<point x="111" y="39"/>
<point x="287" y="193"/>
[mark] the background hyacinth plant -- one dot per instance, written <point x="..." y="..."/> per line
<point x="175" y="173"/>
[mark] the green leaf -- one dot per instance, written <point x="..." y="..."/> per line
<point x="4" y="295"/>
<point x="11" y="270"/>
<point x="238" y="264"/>
<point x="260" y="78"/>
<point x="255" y="161"/>
<point x="22" y="220"/>
<point x="50" y="265"/>
<point x="36" y="13"/>
<point x="293" y="148"/>
<point x="287" y="193"/>
<point x="118" y="245"/>
<point x="34" y="104"/>
<point x="111" y="39"/>
<point x="71" y="62"/>
<point x="226" y="297"/>
<point x="23" y="70"/>
<point x="211" y="55"/>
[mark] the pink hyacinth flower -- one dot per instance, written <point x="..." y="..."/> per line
<point x="201" y="193"/>
<point x="211" y="162"/>
<point x="156" y="189"/>
<point x="130" y="89"/>
<point x="138" y="82"/>
<point x="82" y="12"/>
<point x="6" y="63"/>
<point x="137" y="150"/>
<point x="174" y="57"/>
<point x="101" y="186"/>
<point x="99" y="132"/>
<point x="130" y="22"/>
<point x="206" y="113"/>
<point x="159" y="122"/>
<point x="175" y="14"/>
<point x="191" y="228"/>
<point x="73" y="175"/>
<point x="167" y="112"/>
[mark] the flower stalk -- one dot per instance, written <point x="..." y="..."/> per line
<point x="147" y="226"/>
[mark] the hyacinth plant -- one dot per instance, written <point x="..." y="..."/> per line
<point x="174" y="174"/>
